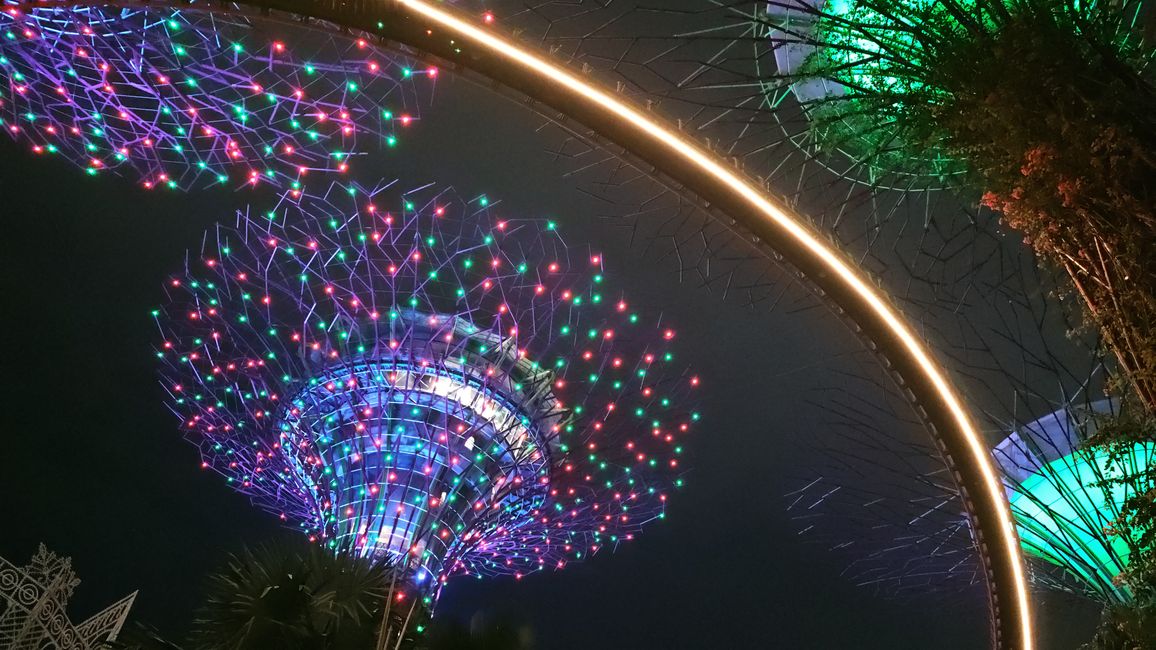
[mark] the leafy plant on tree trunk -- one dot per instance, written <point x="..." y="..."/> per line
<point x="1126" y="436"/>
<point x="1047" y="107"/>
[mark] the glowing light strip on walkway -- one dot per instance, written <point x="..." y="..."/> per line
<point x="801" y="234"/>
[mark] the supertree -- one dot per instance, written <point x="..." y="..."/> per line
<point x="859" y="68"/>
<point x="408" y="376"/>
<point x="1068" y="494"/>
<point x="925" y="83"/>
<point x="808" y="38"/>
<point x="188" y="98"/>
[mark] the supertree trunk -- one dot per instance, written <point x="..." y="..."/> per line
<point x="1109" y="262"/>
<point x="1130" y="334"/>
<point x="1086" y="209"/>
<point x="1065" y="145"/>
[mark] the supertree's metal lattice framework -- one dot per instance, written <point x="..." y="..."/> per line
<point x="712" y="65"/>
<point x="854" y="65"/>
<point x="410" y="377"/>
<point x="877" y="497"/>
<point x="881" y="503"/>
<point x="187" y="99"/>
<point x="1067" y="495"/>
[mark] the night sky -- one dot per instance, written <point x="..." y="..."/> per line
<point x="93" y="464"/>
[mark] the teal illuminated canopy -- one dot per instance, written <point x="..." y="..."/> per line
<point x="1061" y="513"/>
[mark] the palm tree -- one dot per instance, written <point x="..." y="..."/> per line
<point x="306" y="597"/>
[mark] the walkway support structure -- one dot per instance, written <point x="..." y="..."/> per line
<point x="426" y="29"/>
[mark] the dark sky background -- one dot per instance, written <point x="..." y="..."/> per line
<point x="93" y="464"/>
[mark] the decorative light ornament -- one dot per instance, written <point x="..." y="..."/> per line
<point x="183" y="99"/>
<point x="341" y="364"/>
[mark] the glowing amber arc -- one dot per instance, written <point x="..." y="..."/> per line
<point x="462" y="44"/>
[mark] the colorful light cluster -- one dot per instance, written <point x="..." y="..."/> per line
<point x="1061" y="504"/>
<point x="185" y="99"/>
<point x="409" y="376"/>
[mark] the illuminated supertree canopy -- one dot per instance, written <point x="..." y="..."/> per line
<point x="1064" y="500"/>
<point x="410" y="376"/>
<point x="865" y="68"/>
<point x="835" y="53"/>
<point x="190" y="99"/>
